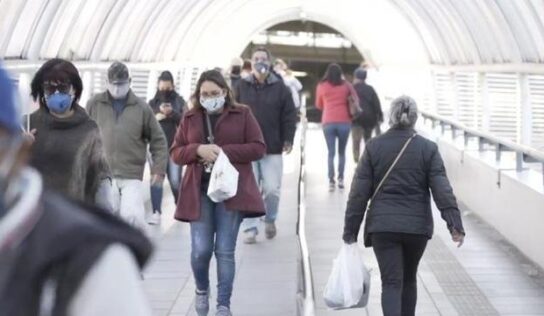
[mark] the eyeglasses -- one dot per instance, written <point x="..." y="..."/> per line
<point x="49" y="88"/>
<point x="212" y="94"/>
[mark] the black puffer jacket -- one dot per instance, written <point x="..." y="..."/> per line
<point x="403" y="204"/>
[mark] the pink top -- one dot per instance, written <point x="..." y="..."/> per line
<point x="333" y="101"/>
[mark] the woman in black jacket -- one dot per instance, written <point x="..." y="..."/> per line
<point x="399" y="221"/>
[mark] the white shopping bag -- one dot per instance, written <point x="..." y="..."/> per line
<point x="223" y="179"/>
<point x="349" y="283"/>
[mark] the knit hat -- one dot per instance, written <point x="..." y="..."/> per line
<point x="118" y="73"/>
<point x="9" y="109"/>
<point x="360" y="73"/>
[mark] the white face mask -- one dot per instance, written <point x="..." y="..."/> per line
<point x="213" y="105"/>
<point x="119" y="91"/>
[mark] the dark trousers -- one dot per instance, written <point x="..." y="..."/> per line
<point x="398" y="256"/>
<point x="359" y="133"/>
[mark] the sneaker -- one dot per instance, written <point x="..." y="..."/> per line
<point x="270" y="230"/>
<point x="202" y="305"/>
<point x="154" y="219"/>
<point x="332" y="185"/>
<point x="223" y="311"/>
<point x="340" y="183"/>
<point x="250" y="237"/>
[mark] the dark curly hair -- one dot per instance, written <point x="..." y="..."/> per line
<point x="56" y="70"/>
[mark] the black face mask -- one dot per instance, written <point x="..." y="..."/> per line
<point x="166" y="94"/>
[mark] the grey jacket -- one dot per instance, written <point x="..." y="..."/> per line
<point x="126" y="137"/>
<point x="69" y="154"/>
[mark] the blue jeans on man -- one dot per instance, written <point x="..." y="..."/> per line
<point x="215" y="232"/>
<point x="268" y="172"/>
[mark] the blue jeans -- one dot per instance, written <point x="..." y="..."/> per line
<point x="173" y="173"/>
<point x="215" y="231"/>
<point x="333" y="131"/>
<point x="268" y="172"/>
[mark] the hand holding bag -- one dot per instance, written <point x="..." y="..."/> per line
<point x="223" y="179"/>
<point x="349" y="283"/>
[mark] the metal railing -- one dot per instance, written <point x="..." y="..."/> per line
<point x="305" y="293"/>
<point x="524" y="154"/>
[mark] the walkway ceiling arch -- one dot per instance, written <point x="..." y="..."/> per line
<point x="437" y="32"/>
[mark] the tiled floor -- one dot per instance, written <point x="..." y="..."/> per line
<point x="484" y="277"/>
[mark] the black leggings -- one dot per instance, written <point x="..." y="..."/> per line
<point x="398" y="256"/>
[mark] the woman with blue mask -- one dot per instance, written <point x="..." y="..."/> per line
<point x="67" y="146"/>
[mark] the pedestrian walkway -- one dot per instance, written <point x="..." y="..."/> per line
<point x="266" y="276"/>
<point x="486" y="276"/>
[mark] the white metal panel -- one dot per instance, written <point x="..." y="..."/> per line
<point x="140" y="80"/>
<point x="536" y="88"/>
<point x="504" y="99"/>
<point x="444" y="92"/>
<point x="468" y="98"/>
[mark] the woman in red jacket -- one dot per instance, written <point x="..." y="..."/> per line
<point x="332" y="98"/>
<point x="214" y="226"/>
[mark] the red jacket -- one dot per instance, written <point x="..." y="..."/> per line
<point x="333" y="101"/>
<point x="239" y="136"/>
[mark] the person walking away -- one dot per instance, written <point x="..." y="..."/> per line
<point x="372" y="115"/>
<point x="128" y="126"/>
<point x="58" y="257"/>
<point x="281" y="68"/>
<point x="399" y="220"/>
<point x="66" y="144"/>
<point x="272" y="104"/>
<point x="216" y="123"/>
<point x="168" y="107"/>
<point x="332" y="98"/>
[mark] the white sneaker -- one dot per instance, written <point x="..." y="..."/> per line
<point x="154" y="219"/>
<point x="250" y="237"/>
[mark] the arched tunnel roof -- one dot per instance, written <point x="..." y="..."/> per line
<point x="441" y="32"/>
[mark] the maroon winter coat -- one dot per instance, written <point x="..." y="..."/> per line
<point x="239" y="136"/>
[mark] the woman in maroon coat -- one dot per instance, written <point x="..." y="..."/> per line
<point x="214" y="226"/>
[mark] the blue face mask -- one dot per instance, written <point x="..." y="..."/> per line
<point x="59" y="103"/>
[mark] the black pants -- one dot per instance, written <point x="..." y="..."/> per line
<point x="398" y="257"/>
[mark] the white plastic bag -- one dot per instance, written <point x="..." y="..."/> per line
<point x="349" y="283"/>
<point x="223" y="179"/>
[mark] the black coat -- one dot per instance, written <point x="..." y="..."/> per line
<point x="403" y="204"/>
<point x="272" y="104"/>
<point x="169" y="124"/>
<point x="370" y="104"/>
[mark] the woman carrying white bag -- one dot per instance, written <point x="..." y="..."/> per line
<point x="397" y="172"/>
<point x="217" y="140"/>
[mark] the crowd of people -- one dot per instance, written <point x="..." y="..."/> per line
<point x="72" y="181"/>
